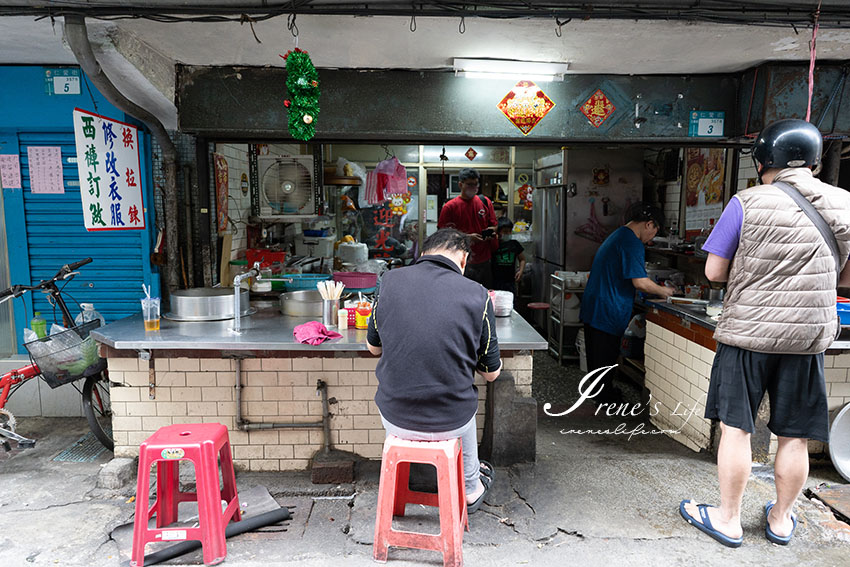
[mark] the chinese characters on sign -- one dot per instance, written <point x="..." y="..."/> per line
<point x="110" y="176"/>
<point x="45" y="168"/>
<point x="525" y="106"/>
<point x="598" y="108"/>
<point x="10" y="171"/>
<point x="62" y="81"/>
<point x="384" y="221"/>
<point x="707" y="124"/>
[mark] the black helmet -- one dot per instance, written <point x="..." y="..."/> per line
<point x="788" y="143"/>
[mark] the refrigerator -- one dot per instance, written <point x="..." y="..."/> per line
<point x="547" y="225"/>
<point x="580" y="197"/>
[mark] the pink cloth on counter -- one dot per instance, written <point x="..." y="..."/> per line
<point x="313" y="333"/>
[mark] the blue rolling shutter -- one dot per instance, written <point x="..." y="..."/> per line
<point x="55" y="234"/>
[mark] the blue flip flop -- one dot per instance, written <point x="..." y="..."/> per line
<point x="779" y="540"/>
<point x="705" y="525"/>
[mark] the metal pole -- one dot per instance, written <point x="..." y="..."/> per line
<point x="326" y="415"/>
<point x="245" y="425"/>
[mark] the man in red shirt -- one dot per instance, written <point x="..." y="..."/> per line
<point x="473" y="215"/>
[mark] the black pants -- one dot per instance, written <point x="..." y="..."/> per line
<point x="603" y="349"/>
<point x="482" y="273"/>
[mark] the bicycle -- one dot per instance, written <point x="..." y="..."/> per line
<point x="53" y="365"/>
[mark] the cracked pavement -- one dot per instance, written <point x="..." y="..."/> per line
<point x="589" y="500"/>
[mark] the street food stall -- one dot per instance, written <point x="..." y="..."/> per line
<point x="266" y="387"/>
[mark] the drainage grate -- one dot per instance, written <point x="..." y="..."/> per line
<point x="84" y="450"/>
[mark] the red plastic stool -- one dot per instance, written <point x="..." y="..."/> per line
<point x="393" y="494"/>
<point x="203" y="444"/>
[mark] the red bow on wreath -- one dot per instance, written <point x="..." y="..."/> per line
<point x="296" y="50"/>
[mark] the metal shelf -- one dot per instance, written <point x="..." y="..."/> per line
<point x="562" y="334"/>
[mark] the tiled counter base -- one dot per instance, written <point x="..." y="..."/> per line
<point x="277" y="389"/>
<point x="678" y="359"/>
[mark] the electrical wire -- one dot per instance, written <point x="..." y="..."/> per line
<point x="754" y="13"/>
<point x="812" y="58"/>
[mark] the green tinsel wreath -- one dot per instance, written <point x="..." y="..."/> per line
<point x="302" y="82"/>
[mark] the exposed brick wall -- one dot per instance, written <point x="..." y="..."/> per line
<point x="191" y="390"/>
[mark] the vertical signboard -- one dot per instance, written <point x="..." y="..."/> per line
<point x="110" y="179"/>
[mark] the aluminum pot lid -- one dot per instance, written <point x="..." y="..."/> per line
<point x="206" y="292"/>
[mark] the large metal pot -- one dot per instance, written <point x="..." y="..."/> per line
<point x="206" y="304"/>
<point x="307" y="303"/>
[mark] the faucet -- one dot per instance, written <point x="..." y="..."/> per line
<point x="237" y="287"/>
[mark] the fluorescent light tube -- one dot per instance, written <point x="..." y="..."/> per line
<point x="507" y="68"/>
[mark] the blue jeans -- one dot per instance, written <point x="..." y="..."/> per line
<point x="468" y="438"/>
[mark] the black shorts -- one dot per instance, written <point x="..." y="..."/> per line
<point x="794" y="384"/>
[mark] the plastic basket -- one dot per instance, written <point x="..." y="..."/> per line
<point x="265" y="257"/>
<point x="844" y="313"/>
<point x="356" y="280"/>
<point x="67" y="356"/>
<point x="303" y="281"/>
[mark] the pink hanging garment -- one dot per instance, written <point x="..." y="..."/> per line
<point x="372" y="188"/>
<point x="397" y="182"/>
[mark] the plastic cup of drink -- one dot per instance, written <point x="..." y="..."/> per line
<point x="150" y="313"/>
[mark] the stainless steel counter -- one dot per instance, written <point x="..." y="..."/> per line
<point x="693" y="313"/>
<point x="696" y="314"/>
<point x="269" y="330"/>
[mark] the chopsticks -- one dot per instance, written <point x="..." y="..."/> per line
<point x="330" y="290"/>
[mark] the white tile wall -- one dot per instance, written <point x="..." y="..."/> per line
<point x="677" y="376"/>
<point x="746" y="171"/>
<point x="239" y="204"/>
<point x="673" y="195"/>
<point x="277" y="389"/>
<point x="677" y="373"/>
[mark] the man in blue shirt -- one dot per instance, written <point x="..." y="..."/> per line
<point x="618" y="270"/>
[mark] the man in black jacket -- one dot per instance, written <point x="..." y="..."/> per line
<point x="433" y="329"/>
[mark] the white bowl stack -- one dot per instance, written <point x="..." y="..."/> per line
<point x="503" y="303"/>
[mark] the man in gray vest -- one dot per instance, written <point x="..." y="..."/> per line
<point x="434" y="329"/>
<point x="778" y="318"/>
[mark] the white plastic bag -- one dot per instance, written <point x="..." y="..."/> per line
<point x="55" y="329"/>
<point x="637" y="326"/>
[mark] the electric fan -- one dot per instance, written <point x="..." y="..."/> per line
<point x="286" y="185"/>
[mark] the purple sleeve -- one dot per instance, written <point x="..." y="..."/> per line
<point x="723" y="240"/>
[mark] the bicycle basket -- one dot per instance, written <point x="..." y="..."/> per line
<point x="67" y="356"/>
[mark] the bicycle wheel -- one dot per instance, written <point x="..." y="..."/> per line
<point x="98" y="408"/>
